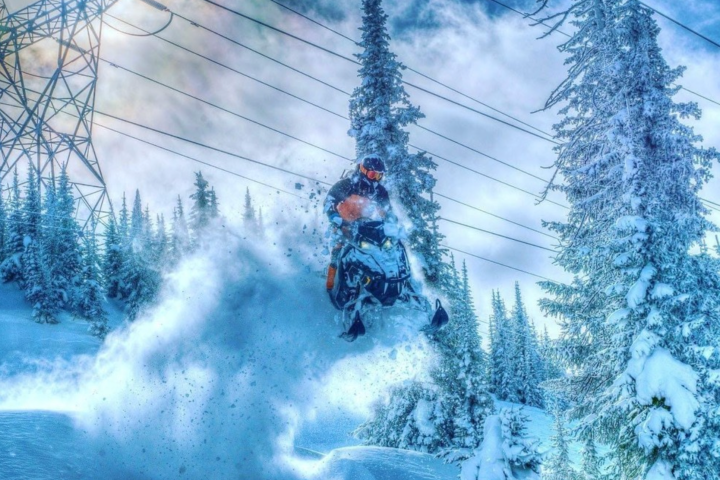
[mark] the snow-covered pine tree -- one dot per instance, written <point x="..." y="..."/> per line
<point x="444" y="416"/>
<point x="113" y="259"/>
<point x="507" y="452"/>
<point x="140" y="279"/>
<point x="409" y="419"/>
<point x="161" y="244"/>
<point x="214" y="206"/>
<point x="525" y="360"/>
<point x="11" y="266"/>
<point x="502" y="353"/>
<point x="380" y="109"/>
<point x="640" y="320"/>
<point x="463" y="392"/>
<point x="91" y="294"/>
<point x="559" y="466"/>
<point x="37" y="279"/>
<point x="65" y="253"/>
<point x="549" y="355"/>
<point x="591" y="462"/>
<point x="249" y="221"/>
<point x="180" y="240"/>
<point x="200" y="208"/>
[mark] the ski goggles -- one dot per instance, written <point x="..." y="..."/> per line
<point x="372" y="174"/>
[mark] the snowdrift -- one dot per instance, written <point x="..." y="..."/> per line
<point x="240" y="353"/>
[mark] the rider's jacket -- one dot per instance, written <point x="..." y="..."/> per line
<point x="357" y="197"/>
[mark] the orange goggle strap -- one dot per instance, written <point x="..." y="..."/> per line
<point x="371" y="174"/>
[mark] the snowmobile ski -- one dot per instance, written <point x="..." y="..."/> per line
<point x="357" y="329"/>
<point x="439" y="320"/>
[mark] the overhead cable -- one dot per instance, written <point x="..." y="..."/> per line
<point x="496" y="234"/>
<point x="346" y="118"/>
<point x="336" y="32"/>
<point x="209" y="147"/>
<point x="501" y="264"/>
<point x="344" y="57"/>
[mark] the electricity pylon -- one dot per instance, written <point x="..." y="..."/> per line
<point x="49" y="55"/>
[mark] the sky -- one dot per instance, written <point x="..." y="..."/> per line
<point x="476" y="46"/>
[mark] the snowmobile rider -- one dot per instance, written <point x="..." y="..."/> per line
<point x="358" y="196"/>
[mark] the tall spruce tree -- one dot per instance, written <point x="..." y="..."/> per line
<point x="503" y="381"/>
<point x="380" y="109"/>
<point x="91" y="293"/>
<point x="526" y="360"/>
<point x="200" y="208"/>
<point x="180" y="240"/>
<point x="113" y="259"/>
<point x="37" y="280"/>
<point x="559" y="466"/>
<point x="642" y="309"/>
<point x="445" y="416"/>
<point x="65" y="252"/>
<point x="249" y="220"/>
<point x="11" y="266"/>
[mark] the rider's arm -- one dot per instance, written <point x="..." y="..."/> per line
<point x="334" y="197"/>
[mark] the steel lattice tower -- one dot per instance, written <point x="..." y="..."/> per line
<point x="49" y="52"/>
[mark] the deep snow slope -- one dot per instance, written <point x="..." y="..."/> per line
<point x="239" y="358"/>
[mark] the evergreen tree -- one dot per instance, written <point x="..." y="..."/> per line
<point x="214" y="211"/>
<point x="113" y="259"/>
<point x="526" y="360"/>
<point x="380" y="109"/>
<point x="140" y="277"/>
<point x="591" y="462"/>
<point x="409" y="419"/>
<point x="180" y="242"/>
<point x="445" y="416"/>
<point x="502" y="353"/>
<point x="642" y="308"/>
<point x="65" y="252"/>
<point x="200" y="209"/>
<point x="507" y="452"/>
<point x="37" y="280"/>
<point x="460" y="375"/>
<point x="91" y="297"/>
<point x="11" y="267"/>
<point x="559" y="466"/>
<point x="249" y="221"/>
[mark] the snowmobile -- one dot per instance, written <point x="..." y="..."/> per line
<point x="373" y="270"/>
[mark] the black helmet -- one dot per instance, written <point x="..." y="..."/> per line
<point x="372" y="167"/>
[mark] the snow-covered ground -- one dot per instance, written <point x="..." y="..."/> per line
<point x="236" y="373"/>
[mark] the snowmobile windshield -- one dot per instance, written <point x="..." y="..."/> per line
<point x="372" y="231"/>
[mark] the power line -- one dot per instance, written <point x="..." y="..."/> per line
<point x="202" y="162"/>
<point x="496" y="234"/>
<point x="709" y="40"/>
<point x="346" y="118"/>
<point x="477" y="172"/>
<point x="493" y="215"/>
<point x="355" y="42"/>
<point x="194" y="97"/>
<point x="320" y="47"/>
<point x="501" y="264"/>
<point x="526" y="15"/>
<point x="220" y="64"/>
<point x="209" y="147"/>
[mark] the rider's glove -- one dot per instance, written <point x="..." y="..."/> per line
<point x="336" y="219"/>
